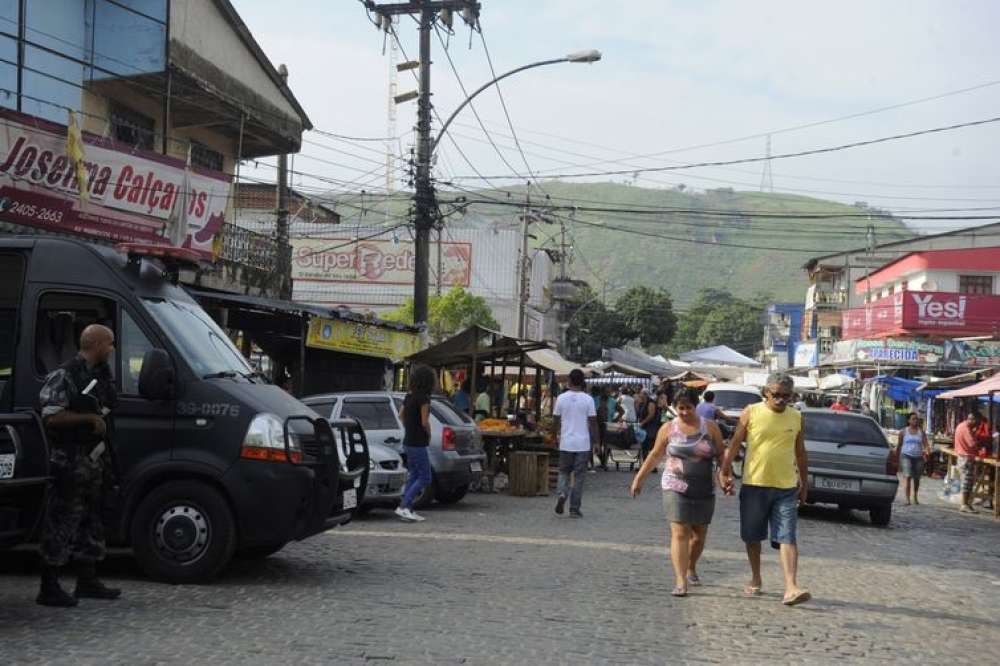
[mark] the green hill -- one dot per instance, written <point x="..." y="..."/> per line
<point x="739" y="248"/>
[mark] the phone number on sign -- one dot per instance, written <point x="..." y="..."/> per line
<point x="36" y="212"/>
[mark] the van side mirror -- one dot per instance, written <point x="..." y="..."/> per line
<point x="156" y="379"/>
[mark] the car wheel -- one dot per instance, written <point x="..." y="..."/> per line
<point x="259" y="552"/>
<point x="183" y="532"/>
<point x="451" y="495"/>
<point x="881" y="515"/>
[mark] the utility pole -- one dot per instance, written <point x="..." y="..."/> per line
<point x="284" y="263"/>
<point x="525" y="265"/>
<point x="563" y="259"/>
<point x="440" y="228"/>
<point x="424" y="203"/>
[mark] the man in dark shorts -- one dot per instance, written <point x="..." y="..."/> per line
<point x="775" y="481"/>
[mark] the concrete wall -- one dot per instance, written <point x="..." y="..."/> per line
<point x="199" y="25"/>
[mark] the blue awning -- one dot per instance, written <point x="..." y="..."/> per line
<point x="899" y="389"/>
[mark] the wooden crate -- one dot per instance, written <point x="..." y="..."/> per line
<point x="529" y="473"/>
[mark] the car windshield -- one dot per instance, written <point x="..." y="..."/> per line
<point x="446" y="413"/>
<point x="735" y="400"/>
<point x="198" y="338"/>
<point x="843" y="429"/>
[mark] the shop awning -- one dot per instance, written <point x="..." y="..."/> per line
<point x="983" y="388"/>
<point x="475" y="342"/>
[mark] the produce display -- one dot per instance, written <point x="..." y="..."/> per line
<point x="496" y="424"/>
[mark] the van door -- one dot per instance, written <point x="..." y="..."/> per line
<point x="144" y="428"/>
<point x="377" y="417"/>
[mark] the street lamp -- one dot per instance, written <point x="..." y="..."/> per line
<point x="591" y="56"/>
<point x="424" y="194"/>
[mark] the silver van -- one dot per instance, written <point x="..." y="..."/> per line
<point x="850" y="463"/>
<point x="456" y="448"/>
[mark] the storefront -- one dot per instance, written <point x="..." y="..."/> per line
<point x="339" y="351"/>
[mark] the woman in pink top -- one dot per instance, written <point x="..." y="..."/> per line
<point x="691" y="445"/>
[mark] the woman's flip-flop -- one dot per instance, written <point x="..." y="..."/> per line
<point x="694" y="580"/>
<point x="679" y="591"/>
<point x="751" y="591"/>
<point x="801" y="597"/>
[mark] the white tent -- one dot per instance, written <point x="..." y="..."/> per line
<point x="835" y="381"/>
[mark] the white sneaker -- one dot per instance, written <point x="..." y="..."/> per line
<point x="406" y="515"/>
<point x="417" y="518"/>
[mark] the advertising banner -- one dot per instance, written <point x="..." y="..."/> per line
<point x="359" y="338"/>
<point x="376" y="261"/>
<point x="924" y="313"/>
<point x="131" y="192"/>
<point x="971" y="353"/>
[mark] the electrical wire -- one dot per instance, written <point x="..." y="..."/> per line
<point x="749" y="160"/>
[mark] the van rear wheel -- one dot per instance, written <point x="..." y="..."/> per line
<point x="451" y="495"/>
<point x="183" y="532"/>
<point x="881" y="515"/>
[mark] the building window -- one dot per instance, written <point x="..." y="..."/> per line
<point x="826" y="346"/>
<point x="975" y="284"/>
<point x="205" y="157"/>
<point x="132" y="128"/>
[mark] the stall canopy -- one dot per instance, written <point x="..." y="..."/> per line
<point x="718" y="355"/>
<point x="835" y="381"/>
<point x="983" y="388"/>
<point x="633" y="358"/>
<point x="475" y="342"/>
<point x="899" y="389"/>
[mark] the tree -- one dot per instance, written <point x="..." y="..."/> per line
<point x="716" y="317"/>
<point x="648" y="312"/>
<point x="448" y="313"/>
<point x="593" y="327"/>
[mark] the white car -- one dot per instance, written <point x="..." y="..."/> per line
<point x="732" y="398"/>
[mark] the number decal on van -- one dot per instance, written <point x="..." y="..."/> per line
<point x="208" y="409"/>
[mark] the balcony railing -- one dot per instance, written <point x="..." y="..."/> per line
<point x="242" y="246"/>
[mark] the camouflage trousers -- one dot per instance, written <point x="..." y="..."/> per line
<point x="72" y="528"/>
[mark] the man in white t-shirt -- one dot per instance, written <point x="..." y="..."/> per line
<point x="576" y="419"/>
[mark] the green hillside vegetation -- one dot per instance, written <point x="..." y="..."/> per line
<point x="615" y="251"/>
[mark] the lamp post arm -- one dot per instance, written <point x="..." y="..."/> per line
<point x="465" y="103"/>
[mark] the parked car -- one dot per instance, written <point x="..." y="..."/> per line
<point x="456" y="448"/>
<point x="386" y="478"/>
<point x="850" y="463"/>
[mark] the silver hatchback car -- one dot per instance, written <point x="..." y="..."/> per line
<point x="850" y="463"/>
<point x="455" y="451"/>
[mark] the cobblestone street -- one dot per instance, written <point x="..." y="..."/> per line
<point x="499" y="579"/>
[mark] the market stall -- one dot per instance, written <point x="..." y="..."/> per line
<point x="987" y="466"/>
<point x="495" y="363"/>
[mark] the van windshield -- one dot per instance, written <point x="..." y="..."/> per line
<point x="199" y="339"/>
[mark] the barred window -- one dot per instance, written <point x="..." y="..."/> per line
<point x="975" y="284"/>
<point x="205" y="157"/>
<point x="132" y="128"/>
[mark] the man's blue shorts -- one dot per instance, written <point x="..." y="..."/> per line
<point x="762" y="507"/>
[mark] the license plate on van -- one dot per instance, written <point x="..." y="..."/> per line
<point x="350" y="498"/>
<point x="475" y="466"/>
<point x="6" y="465"/>
<point x="826" y="483"/>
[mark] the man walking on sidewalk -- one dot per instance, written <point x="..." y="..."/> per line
<point x="576" y="420"/>
<point x="775" y="481"/>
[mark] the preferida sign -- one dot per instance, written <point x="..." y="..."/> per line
<point x="131" y="193"/>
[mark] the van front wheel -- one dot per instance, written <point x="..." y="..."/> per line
<point x="183" y="532"/>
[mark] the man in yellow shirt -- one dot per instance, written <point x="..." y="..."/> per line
<point x="775" y="481"/>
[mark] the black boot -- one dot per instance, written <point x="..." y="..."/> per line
<point x="50" y="593"/>
<point x="87" y="584"/>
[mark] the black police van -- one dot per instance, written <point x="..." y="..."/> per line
<point x="210" y="460"/>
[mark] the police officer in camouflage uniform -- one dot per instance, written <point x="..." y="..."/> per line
<point x="76" y="427"/>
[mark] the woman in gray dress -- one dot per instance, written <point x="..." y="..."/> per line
<point x="691" y="446"/>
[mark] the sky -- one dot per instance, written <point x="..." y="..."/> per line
<point x="674" y="75"/>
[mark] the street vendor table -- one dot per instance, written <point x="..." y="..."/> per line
<point x="985" y="475"/>
<point x="498" y="446"/>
